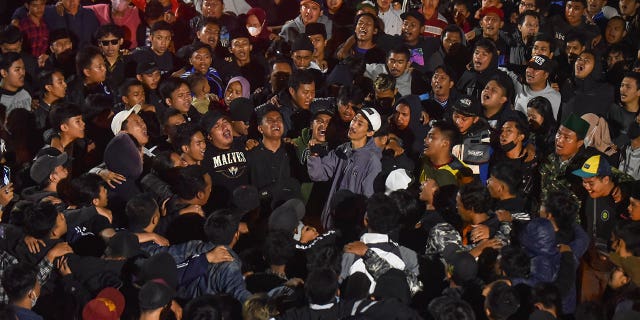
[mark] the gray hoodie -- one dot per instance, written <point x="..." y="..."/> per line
<point x="350" y="169"/>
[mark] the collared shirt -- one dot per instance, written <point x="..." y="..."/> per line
<point x="37" y="36"/>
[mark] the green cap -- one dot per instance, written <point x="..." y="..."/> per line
<point x="577" y="125"/>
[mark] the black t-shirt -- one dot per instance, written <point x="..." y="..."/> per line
<point x="228" y="170"/>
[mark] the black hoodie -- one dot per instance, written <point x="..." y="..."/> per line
<point x="590" y="95"/>
<point x="413" y="135"/>
<point x="472" y="82"/>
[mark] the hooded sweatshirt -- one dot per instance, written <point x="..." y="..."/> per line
<point x="472" y="82"/>
<point x="351" y="169"/>
<point x="539" y="241"/>
<point x="590" y="95"/>
<point x="413" y="135"/>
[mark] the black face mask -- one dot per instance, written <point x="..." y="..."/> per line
<point x="385" y="103"/>
<point x="456" y="49"/>
<point x="534" y="125"/>
<point x="572" y="58"/>
<point x="508" y="147"/>
<point x="281" y="80"/>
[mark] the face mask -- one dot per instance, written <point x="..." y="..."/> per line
<point x="508" y="147"/>
<point x="281" y="81"/>
<point x="253" y="31"/>
<point x="386" y="103"/>
<point x="534" y="125"/>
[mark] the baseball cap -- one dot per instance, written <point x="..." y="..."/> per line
<point x="120" y="117"/>
<point x="468" y="106"/>
<point x="302" y="42"/>
<point x="210" y="118"/>
<point x="492" y="10"/>
<point x="315" y="28"/>
<point x="398" y="179"/>
<point x="107" y="305"/>
<point x="147" y="67"/>
<point x="577" y="125"/>
<point x="245" y="198"/>
<point x="596" y="166"/>
<point x="303" y="2"/>
<point x="415" y="14"/>
<point x="366" y="3"/>
<point x="462" y="264"/>
<point x="44" y="166"/>
<point x="286" y="216"/>
<point x="540" y="63"/>
<point x="372" y="116"/>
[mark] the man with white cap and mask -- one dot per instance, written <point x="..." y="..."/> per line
<point x="353" y="165"/>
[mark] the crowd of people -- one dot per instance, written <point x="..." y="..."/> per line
<point x="320" y="159"/>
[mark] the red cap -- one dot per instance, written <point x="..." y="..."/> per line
<point x="108" y="305"/>
<point x="494" y="10"/>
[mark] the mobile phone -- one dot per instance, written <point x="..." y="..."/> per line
<point x="6" y="176"/>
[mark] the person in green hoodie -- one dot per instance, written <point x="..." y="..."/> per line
<point x="313" y="193"/>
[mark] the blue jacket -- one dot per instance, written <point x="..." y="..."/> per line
<point x="539" y="241"/>
<point x="350" y="169"/>
<point x="225" y="277"/>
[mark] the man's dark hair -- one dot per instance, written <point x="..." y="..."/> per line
<point x="279" y="247"/>
<point x="450" y="308"/>
<point x="352" y="94"/>
<point x="576" y="36"/>
<point x="448" y="131"/>
<point x="107" y="29"/>
<point x="123" y="90"/>
<point x="45" y="78"/>
<point x="40" y="219"/>
<point x="153" y="10"/>
<point x="86" y="188"/>
<point x="61" y="113"/>
<point x="188" y="182"/>
<point x="382" y="214"/>
<point x="203" y="308"/>
<point x="548" y="295"/>
<point x="140" y="209"/>
<point x="475" y="197"/>
<point x="452" y="28"/>
<point x="453" y="75"/>
<point x="384" y="82"/>
<point x="263" y="113"/>
<point x="629" y="232"/>
<point x="168" y="86"/>
<point x="546" y="38"/>
<point x="161" y="26"/>
<point x="300" y="77"/>
<point x="502" y="301"/>
<point x="402" y="49"/>
<point x="509" y="175"/>
<point x="376" y="23"/>
<point x="184" y="133"/>
<point x="563" y="208"/>
<point x="515" y="262"/>
<point x="7" y="59"/>
<point x="18" y="279"/>
<point x="321" y="286"/>
<point x="84" y="57"/>
<point x="528" y="13"/>
<point x="488" y="45"/>
<point x="635" y="76"/>
<point x="221" y="226"/>
<point x="207" y="21"/>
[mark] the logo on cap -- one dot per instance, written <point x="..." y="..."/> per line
<point x="466" y="102"/>
<point x="538" y="60"/>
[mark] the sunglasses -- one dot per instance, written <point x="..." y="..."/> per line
<point x="113" y="42"/>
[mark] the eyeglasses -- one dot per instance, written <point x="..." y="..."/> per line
<point x="113" y="42"/>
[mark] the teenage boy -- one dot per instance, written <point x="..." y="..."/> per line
<point x="54" y="89"/>
<point x="354" y="164"/>
<point x="12" y="93"/>
<point x="158" y="52"/>
<point x="34" y="28"/>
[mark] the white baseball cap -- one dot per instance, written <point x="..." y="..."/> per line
<point x="373" y="117"/>
<point x="120" y="117"/>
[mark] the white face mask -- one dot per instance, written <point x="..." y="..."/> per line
<point x="253" y="31"/>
